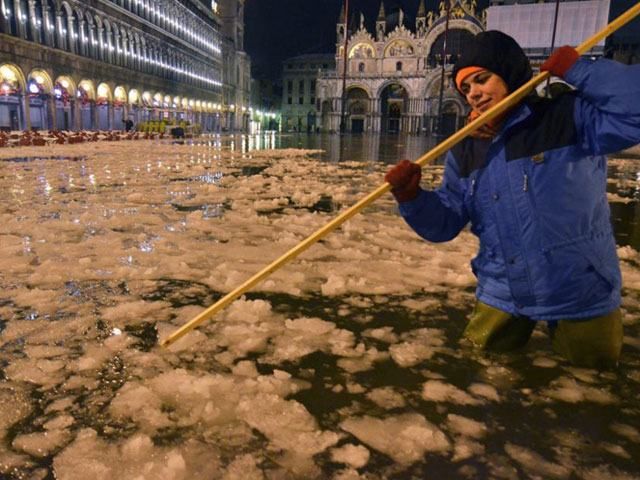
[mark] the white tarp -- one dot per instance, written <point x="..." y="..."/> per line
<point x="532" y="24"/>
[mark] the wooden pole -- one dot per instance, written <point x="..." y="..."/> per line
<point x="433" y="154"/>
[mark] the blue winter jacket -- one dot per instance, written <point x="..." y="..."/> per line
<point x="536" y="198"/>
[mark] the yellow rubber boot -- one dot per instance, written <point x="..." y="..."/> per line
<point x="493" y="329"/>
<point x="593" y="343"/>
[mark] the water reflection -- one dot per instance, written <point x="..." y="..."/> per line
<point x="335" y="147"/>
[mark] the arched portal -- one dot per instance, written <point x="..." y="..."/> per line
<point x="393" y="105"/>
<point x="41" y="106"/>
<point x="64" y="91"/>
<point x="119" y="107"/>
<point x="103" y="104"/>
<point x="135" y="106"/>
<point x="87" y="97"/>
<point x="357" y="110"/>
<point x="11" y="89"/>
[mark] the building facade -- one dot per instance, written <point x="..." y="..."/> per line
<point x="93" y="64"/>
<point x="393" y="80"/>
<point x="299" y="87"/>
<point x="236" y="66"/>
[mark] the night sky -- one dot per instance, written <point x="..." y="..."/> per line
<point x="278" y="29"/>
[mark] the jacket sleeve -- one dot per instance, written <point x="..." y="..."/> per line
<point x="607" y="108"/>
<point x="440" y="215"/>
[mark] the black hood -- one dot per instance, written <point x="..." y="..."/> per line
<point x="498" y="53"/>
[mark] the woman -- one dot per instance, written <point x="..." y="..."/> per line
<point x="532" y="184"/>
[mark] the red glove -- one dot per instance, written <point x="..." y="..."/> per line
<point x="560" y="61"/>
<point x="405" y="180"/>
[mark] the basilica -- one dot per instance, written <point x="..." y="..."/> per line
<point x="396" y="79"/>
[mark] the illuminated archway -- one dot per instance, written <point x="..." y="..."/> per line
<point x="12" y="84"/>
<point x="64" y="91"/>
<point x="40" y="89"/>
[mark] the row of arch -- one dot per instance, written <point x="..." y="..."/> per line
<point x="40" y="101"/>
<point x="392" y="108"/>
<point x="78" y="30"/>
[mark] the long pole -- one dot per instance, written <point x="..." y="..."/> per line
<point x="428" y="157"/>
<point x="553" y="41"/>
<point x="345" y="57"/>
<point x="444" y="61"/>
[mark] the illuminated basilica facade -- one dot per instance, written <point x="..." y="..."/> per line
<point x="92" y="65"/>
<point x="394" y="74"/>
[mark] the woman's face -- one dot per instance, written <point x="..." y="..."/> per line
<point x="483" y="90"/>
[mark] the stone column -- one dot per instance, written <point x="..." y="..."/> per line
<point x="77" y="115"/>
<point x="94" y="115"/>
<point x="60" y="40"/>
<point x="33" y="22"/>
<point x="21" y="26"/>
<point x="110" y="116"/>
<point x="26" y="112"/>
<point x="51" y="113"/>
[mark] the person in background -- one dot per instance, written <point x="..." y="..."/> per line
<point x="532" y="186"/>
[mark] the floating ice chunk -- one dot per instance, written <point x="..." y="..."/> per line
<point x="405" y="438"/>
<point x="535" y="463"/>
<point x="465" y="448"/>
<point x="40" y="372"/>
<point x="437" y="391"/>
<point x="41" y="444"/>
<point x="248" y="311"/>
<point x="466" y="426"/>
<point x="310" y="326"/>
<point x="570" y="391"/>
<point x="387" y="398"/>
<point x="286" y="423"/>
<point x="419" y="345"/>
<point x="627" y="431"/>
<point x="364" y="361"/>
<point x="355" y="456"/>
<point x="384" y="334"/>
<point x="486" y="391"/>
<point x="140" y="404"/>
<point x="135" y="458"/>
<point x="136" y="312"/>
<point x="544" y="362"/>
<point x="60" y="422"/>
<point x="15" y="405"/>
<point x="245" y="368"/>
<point x="243" y="467"/>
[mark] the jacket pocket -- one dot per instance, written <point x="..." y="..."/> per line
<point x="573" y="275"/>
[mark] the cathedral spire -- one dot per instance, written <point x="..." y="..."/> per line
<point x="422" y="11"/>
<point x="381" y="24"/>
<point x="421" y="18"/>
<point x="381" y="14"/>
<point x="342" y="14"/>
